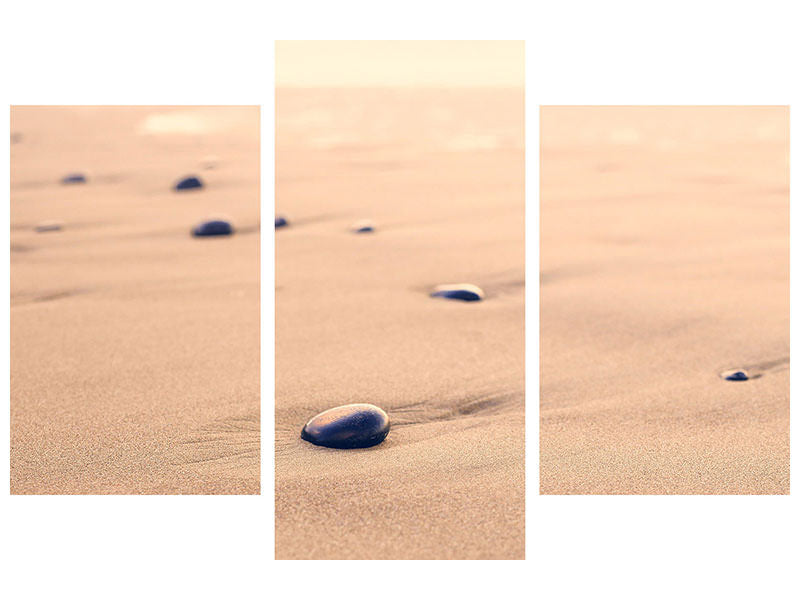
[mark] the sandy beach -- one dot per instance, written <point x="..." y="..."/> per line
<point x="441" y="174"/>
<point x="134" y="347"/>
<point x="664" y="262"/>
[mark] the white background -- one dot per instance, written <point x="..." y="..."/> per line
<point x="222" y="53"/>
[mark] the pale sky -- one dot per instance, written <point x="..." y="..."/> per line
<point x="399" y="63"/>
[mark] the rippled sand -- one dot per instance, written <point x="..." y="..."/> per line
<point x="665" y="261"/>
<point x="134" y="347"/>
<point x="441" y="173"/>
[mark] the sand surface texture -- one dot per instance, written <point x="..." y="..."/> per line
<point x="664" y="262"/>
<point x="134" y="347"/>
<point x="441" y="173"/>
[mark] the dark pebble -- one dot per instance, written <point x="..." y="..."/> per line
<point x="348" y="426"/>
<point x="73" y="178"/>
<point x="188" y="183"/>
<point x="363" y="227"/>
<point x="216" y="227"/>
<point x="736" y="376"/>
<point x="458" y="291"/>
<point x="280" y="222"/>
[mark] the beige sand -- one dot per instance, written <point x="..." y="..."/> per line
<point x="664" y="261"/>
<point x="134" y="347"/>
<point x="441" y="173"/>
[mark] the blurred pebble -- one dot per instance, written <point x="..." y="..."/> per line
<point x="73" y="178"/>
<point x="364" y="226"/>
<point x="214" y="227"/>
<point x="735" y="375"/>
<point x="458" y="291"/>
<point x="188" y="183"/>
<point x="209" y="162"/>
<point x="48" y="226"/>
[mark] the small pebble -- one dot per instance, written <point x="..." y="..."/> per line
<point x="209" y="162"/>
<point x="348" y="426"/>
<point x="458" y="291"/>
<point x="215" y="227"/>
<point x="735" y="375"/>
<point x="280" y="222"/>
<point x="363" y="227"/>
<point x="188" y="183"/>
<point x="47" y="226"/>
<point x="73" y="178"/>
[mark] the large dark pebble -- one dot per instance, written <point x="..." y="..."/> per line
<point x="348" y="426"/>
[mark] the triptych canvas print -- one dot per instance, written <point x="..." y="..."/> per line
<point x="401" y="299"/>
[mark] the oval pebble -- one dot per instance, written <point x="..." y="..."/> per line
<point x="189" y="183"/>
<point x="364" y="226"/>
<point x="215" y="227"/>
<point x="737" y="375"/>
<point x="73" y="178"/>
<point x="348" y="426"/>
<point x="45" y="226"/>
<point x="280" y="222"/>
<point x="458" y="291"/>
